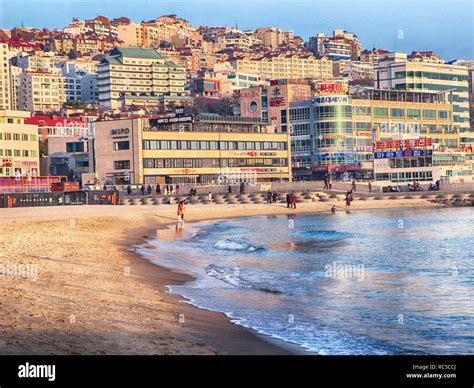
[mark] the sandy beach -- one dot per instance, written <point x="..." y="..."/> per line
<point x="70" y="283"/>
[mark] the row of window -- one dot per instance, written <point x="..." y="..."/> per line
<point x="211" y="162"/>
<point x="18" y="136"/>
<point x="400" y="177"/>
<point x="212" y="145"/>
<point x="411" y="113"/>
<point x="332" y="111"/>
<point x="19" y="153"/>
<point x="421" y="161"/>
<point x="431" y="75"/>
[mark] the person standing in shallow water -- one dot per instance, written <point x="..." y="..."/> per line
<point x="180" y="224"/>
<point x="348" y="202"/>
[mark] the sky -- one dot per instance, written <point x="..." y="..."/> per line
<point x="445" y="27"/>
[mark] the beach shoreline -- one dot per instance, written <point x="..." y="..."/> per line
<point x="117" y="298"/>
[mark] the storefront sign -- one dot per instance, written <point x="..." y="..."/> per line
<point x="330" y="100"/>
<point x="120" y="131"/>
<point x="402" y="154"/>
<point x="335" y="169"/>
<point x="331" y="87"/>
<point x="403" y="144"/>
<point x="170" y="120"/>
<point x="363" y="134"/>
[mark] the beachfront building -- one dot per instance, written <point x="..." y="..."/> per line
<point x="335" y="130"/>
<point x="130" y="75"/>
<point x="19" y="156"/>
<point x="271" y="103"/>
<point x="427" y="72"/>
<point x="189" y="149"/>
<point x="336" y="133"/>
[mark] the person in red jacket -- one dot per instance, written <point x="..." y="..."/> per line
<point x="293" y="201"/>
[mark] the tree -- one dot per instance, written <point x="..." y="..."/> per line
<point x="222" y="106"/>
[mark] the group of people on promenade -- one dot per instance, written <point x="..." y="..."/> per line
<point x="167" y="190"/>
<point x="291" y="201"/>
<point x="272" y="197"/>
<point x="241" y="189"/>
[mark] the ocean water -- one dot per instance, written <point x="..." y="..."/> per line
<point x="368" y="283"/>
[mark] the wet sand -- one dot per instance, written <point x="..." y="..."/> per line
<point x="71" y="283"/>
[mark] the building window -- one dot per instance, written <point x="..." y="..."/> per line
<point x="380" y="112"/>
<point x="75" y="147"/>
<point x="397" y="112"/>
<point x="122" y="164"/>
<point x="443" y="114"/>
<point x="121" y="145"/>
<point x="413" y="113"/>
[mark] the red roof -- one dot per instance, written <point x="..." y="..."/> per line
<point x="55" y="121"/>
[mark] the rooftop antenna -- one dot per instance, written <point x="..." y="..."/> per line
<point x="236" y="27"/>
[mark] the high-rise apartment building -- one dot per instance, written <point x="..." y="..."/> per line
<point x="40" y="91"/>
<point x="5" y="78"/>
<point x="138" y="72"/>
<point x="284" y="65"/>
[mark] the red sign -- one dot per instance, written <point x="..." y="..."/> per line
<point x="330" y="88"/>
<point x="334" y="169"/>
<point x="403" y="144"/>
<point x="277" y="102"/>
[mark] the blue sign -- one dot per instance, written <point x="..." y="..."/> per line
<point x="330" y="99"/>
<point x="402" y="154"/>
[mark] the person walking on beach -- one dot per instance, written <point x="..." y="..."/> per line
<point x="180" y="224"/>
<point x="370" y="187"/>
<point x="274" y="197"/>
<point x="293" y="201"/>
<point x="242" y="188"/>
<point x="177" y="189"/>
<point x="158" y="189"/>
<point x="288" y="200"/>
<point x="353" y="185"/>
<point x="229" y="190"/>
<point x="330" y="182"/>
<point x="142" y="189"/>
<point x="437" y="184"/>
<point x="348" y="201"/>
<point x="209" y="197"/>
<point x="129" y="190"/>
<point x="171" y="190"/>
<point x="149" y="190"/>
<point x="269" y="197"/>
<point x="326" y="186"/>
